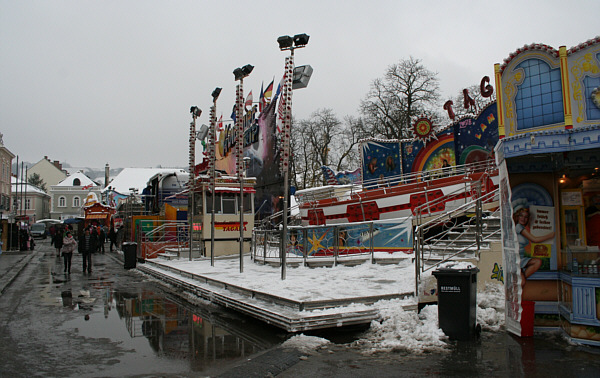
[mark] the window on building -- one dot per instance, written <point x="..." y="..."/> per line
<point x="227" y="203"/>
<point x="62" y="202"/>
<point x="76" y="182"/>
<point x="28" y="204"/>
<point x="76" y="201"/>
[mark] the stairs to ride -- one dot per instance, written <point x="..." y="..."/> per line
<point x="460" y="240"/>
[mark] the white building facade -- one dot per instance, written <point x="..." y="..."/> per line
<point x="68" y="196"/>
<point x="34" y="202"/>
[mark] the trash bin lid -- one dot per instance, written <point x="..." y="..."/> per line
<point x="457" y="272"/>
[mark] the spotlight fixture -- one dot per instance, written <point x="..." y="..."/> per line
<point x="240" y="73"/>
<point x="200" y="135"/>
<point x="301" y="40"/>
<point x="285" y="42"/>
<point x="195" y="111"/>
<point x="215" y="94"/>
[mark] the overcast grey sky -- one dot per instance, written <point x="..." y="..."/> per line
<point x="96" y="82"/>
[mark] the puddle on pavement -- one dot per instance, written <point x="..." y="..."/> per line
<point x="154" y="328"/>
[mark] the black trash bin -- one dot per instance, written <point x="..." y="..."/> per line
<point x="457" y="302"/>
<point x="129" y="255"/>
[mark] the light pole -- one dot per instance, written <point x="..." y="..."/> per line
<point x="211" y="164"/>
<point x="196" y="112"/>
<point x="239" y="75"/>
<point x="287" y="43"/>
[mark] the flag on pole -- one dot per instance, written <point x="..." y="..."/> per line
<point x="269" y="91"/>
<point x="220" y="124"/>
<point x="266" y="95"/>
<point x="249" y="100"/>
<point x="233" y="113"/>
<point x="261" y="98"/>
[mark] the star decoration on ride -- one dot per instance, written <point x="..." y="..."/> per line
<point x="423" y="130"/>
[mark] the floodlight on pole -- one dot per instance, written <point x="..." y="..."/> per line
<point x="285" y="43"/>
<point x="215" y="94"/>
<point x="196" y="112"/>
<point x="211" y="166"/>
<point x="239" y="75"/>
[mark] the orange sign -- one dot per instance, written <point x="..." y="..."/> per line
<point x="229" y="226"/>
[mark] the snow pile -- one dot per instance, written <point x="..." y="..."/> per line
<point x="405" y="330"/>
<point x="305" y="344"/>
<point x="490" y="308"/>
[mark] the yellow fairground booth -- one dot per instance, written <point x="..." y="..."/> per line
<point x="549" y="161"/>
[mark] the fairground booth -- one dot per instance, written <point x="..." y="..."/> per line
<point x="548" y="156"/>
<point x="96" y="213"/>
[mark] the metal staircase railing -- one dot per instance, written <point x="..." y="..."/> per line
<point x="429" y="233"/>
<point x="156" y="236"/>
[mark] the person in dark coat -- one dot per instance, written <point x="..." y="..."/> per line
<point x="58" y="241"/>
<point x="101" y="239"/>
<point x="87" y="245"/>
<point x="112" y="235"/>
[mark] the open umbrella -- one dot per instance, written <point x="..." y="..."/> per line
<point x="73" y="220"/>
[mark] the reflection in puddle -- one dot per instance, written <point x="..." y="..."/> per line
<point x="162" y="329"/>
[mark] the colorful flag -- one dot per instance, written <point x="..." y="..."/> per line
<point x="220" y="124"/>
<point x="249" y="100"/>
<point x="233" y="113"/>
<point x="269" y="91"/>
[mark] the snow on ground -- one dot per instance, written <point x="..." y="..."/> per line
<point x="397" y="328"/>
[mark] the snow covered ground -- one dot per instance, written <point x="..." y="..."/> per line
<point x="397" y="329"/>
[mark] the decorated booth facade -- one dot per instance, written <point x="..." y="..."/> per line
<point x="97" y="213"/>
<point x="548" y="156"/>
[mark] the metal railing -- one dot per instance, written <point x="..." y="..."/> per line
<point x="434" y="232"/>
<point x="156" y="237"/>
<point x="331" y="245"/>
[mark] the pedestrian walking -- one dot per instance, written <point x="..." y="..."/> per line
<point x="58" y="241"/>
<point x="120" y="235"/>
<point x="69" y="245"/>
<point x="101" y="240"/>
<point x="87" y="245"/>
<point x="112" y="236"/>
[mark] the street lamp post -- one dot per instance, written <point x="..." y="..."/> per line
<point x="287" y="43"/>
<point x="212" y="162"/>
<point x="239" y="75"/>
<point x="196" y="112"/>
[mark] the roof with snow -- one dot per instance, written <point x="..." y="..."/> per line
<point x="84" y="180"/>
<point x="19" y="186"/>
<point x="137" y="178"/>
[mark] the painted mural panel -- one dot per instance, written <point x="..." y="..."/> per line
<point x="381" y="159"/>
<point x="260" y="145"/>
<point x="475" y="137"/>
<point x="351" y="239"/>
<point x="418" y="156"/>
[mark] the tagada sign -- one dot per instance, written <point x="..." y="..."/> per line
<point x="423" y="129"/>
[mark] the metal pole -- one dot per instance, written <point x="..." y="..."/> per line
<point x="287" y="123"/>
<point x="213" y="138"/>
<point x="239" y="120"/>
<point x="191" y="182"/>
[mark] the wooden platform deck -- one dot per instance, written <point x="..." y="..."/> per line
<point x="288" y="314"/>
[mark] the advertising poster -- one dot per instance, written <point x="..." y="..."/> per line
<point x="510" y="254"/>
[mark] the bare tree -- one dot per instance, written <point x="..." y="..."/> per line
<point x="407" y="90"/>
<point x="323" y="140"/>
